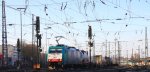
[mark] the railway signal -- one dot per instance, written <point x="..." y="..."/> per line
<point x="37" y="24"/>
<point x="90" y="32"/>
<point x="90" y="42"/>
<point x="18" y="44"/>
<point x="37" y="65"/>
<point x="18" y="49"/>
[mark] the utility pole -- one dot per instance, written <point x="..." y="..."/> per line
<point x="90" y="43"/>
<point x="94" y="49"/>
<point x="132" y="57"/>
<point x="127" y="57"/>
<point x="119" y="52"/>
<point x="106" y="49"/>
<point x="4" y="36"/>
<point x="109" y="49"/>
<point x="46" y="36"/>
<point x="46" y="47"/>
<point x="87" y="46"/>
<point x="46" y="44"/>
<point x="32" y="38"/>
<point x="146" y="45"/>
<point x="46" y="39"/>
<point x="115" y="51"/>
<point x="18" y="50"/>
<point x="139" y="52"/>
<point x="20" y="34"/>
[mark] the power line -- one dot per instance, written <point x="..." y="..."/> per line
<point x="138" y="16"/>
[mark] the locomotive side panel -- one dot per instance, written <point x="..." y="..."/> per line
<point x="64" y="56"/>
<point x="72" y="56"/>
<point x="78" y="56"/>
<point x="84" y="57"/>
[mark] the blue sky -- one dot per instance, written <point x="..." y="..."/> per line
<point x="134" y="15"/>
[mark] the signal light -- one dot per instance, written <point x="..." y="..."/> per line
<point x="37" y="24"/>
<point x="91" y="44"/>
<point x="40" y="50"/>
<point x="90" y="32"/>
<point x="39" y="37"/>
<point x="18" y="43"/>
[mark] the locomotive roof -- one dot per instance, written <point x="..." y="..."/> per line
<point x="71" y="47"/>
<point x="77" y="49"/>
<point x="61" y="45"/>
<point x="83" y="51"/>
<point x="74" y="48"/>
<point x="55" y="47"/>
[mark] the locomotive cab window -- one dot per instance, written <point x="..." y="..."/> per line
<point x="59" y="50"/>
<point x="55" y="51"/>
<point x="52" y="51"/>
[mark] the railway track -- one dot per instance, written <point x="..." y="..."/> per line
<point x="79" y="70"/>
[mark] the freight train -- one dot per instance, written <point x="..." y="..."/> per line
<point x="63" y="56"/>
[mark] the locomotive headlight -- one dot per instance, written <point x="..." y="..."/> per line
<point x="49" y="60"/>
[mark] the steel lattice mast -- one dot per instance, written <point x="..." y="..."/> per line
<point x="4" y="36"/>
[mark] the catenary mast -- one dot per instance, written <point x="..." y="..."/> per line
<point x="4" y="36"/>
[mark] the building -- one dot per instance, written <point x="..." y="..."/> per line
<point x="12" y="54"/>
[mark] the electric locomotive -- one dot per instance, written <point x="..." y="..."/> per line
<point x="63" y="56"/>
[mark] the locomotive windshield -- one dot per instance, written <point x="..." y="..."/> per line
<point x="55" y="50"/>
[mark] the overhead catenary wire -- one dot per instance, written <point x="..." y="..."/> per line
<point x="138" y="16"/>
<point x="63" y="22"/>
<point x="87" y="21"/>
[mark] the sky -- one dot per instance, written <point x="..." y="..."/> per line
<point x="124" y="20"/>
